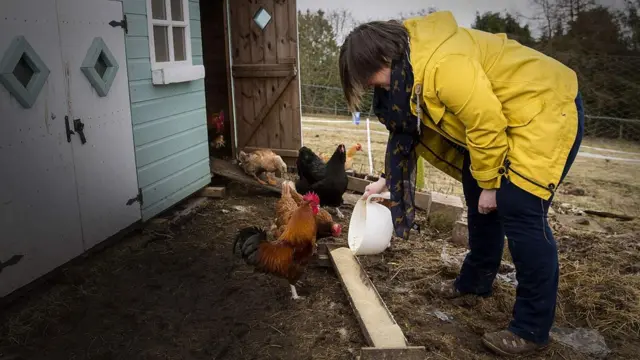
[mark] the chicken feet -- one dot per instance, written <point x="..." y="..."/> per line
<point x="337" y="212"/>
<point x="259" y="180"/>
<point x="294" y="293"/>
<point x="271" y="180"/>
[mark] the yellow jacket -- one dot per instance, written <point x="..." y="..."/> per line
<point x="512" y="107"/>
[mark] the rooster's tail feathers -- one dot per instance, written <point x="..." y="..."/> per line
<point x="249" y="235"/>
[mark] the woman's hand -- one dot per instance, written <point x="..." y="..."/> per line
<point x="374" y="188"/>
<point x="487" y="202"/>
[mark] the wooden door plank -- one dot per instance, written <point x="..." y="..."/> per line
<point x="242" y="55"/>
<point x="259" y="84"/>
<point x="270" y="124"/>
<point x="251" y="130"/>
<point x="251" y="73"/>
<point x="294" y="119"/>
<point x="264" y="67"/>
<point x="282" y="17"/>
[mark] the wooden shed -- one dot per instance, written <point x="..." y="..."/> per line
<point x="104" y="107"/>
<point x="252" y="72"/>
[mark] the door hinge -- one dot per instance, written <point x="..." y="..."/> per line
<point x="122" y="23"/>
<point x="137" y="198"/>
<point x="12" y="261"/>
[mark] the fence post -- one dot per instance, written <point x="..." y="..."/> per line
<point x="335" y="108"/>
<point x="620" y="134"/>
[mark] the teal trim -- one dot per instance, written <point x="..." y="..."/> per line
<point x="196" y="47"/>
<point x="145" y="90"/>
<point x="164" y="127"/>
<point x="138" y="25"/>
<point x="142" y="112"/>
<point x="137" y="47"/>
<point x="152" y="210"/>
<point x="18" y="48"/>
<point x="194" y="11"/>
<point x="98" y="49"/>
<point x="149" y="174"/>
<point x="138" y="7"/>
<point x="165" y="147"/>
<point x="155" y="192"/>
<point x="169" y="121"/>
<point x="139" y="69"/>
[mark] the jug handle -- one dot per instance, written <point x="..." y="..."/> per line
<point x="386" y="196"/>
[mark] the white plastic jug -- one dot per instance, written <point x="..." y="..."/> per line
<point x="370" y="227"/>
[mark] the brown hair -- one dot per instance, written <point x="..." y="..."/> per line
<point x="366" y="50"/>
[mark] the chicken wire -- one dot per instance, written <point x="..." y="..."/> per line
<point x="609" y="85"/>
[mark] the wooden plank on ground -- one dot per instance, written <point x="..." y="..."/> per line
<point x="377" y="323"/>
<point x="423" y="200"/>
<point x="215" y="192"/>
<point x="445" y="207"/>
<point x="234" y="172"/>
<point x="192" y="207"/>
<point x="381" y="331"/>
<point x="405" y="353"/>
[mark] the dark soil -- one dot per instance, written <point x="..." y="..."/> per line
<point x="179" y="293"/>
<point x="182" y="295"/>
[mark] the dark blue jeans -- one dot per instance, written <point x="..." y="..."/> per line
<point x="523" y="217"/>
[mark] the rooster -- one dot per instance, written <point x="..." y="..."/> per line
<point x="262" y="160"/>
<point x="351" y="152"/>
<point x="288" y="256"/>
<point x="289" y="201"/>
<point x="215" y="125"/>
<point x="328" y="180"/>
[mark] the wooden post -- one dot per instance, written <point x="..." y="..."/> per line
<point x="620" y="136"/>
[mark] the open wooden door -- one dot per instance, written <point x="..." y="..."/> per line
<point x="264" y="70"/>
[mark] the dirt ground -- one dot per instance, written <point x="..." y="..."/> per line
<point x="600" y="289"/>
<point x="181" y="295"/>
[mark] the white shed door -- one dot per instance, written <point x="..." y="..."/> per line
<point x="93" y="55"/>
<point x="39" y="215"/>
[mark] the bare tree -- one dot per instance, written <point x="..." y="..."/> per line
<point x="572" y="8"/>
<point x="548" y="15"/>
<point x="342" y="22"/>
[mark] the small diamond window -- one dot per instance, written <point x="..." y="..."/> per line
<point x="100" y="67"/>
<point x="22" y="72"/>
<point x="262" y="18"/>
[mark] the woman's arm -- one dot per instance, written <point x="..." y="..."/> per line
<point x="375" y="187"/>
<point x="463" y="87"/>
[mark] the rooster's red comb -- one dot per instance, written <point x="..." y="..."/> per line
<point x="312" y="197"/>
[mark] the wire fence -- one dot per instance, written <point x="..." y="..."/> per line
<point x="610" y="87"/>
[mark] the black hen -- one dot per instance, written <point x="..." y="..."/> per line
<point x="310" y="166"/>
<point x="328" y="180"/>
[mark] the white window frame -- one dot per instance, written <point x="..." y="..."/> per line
<point x="172" y="71"/>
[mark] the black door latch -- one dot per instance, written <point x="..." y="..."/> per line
<point x="123" y="24"/>
<point x="78" y="126"/>
<point x="69" y="131"/>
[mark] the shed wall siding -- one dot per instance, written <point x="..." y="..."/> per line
<point x="169" y="121"/>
